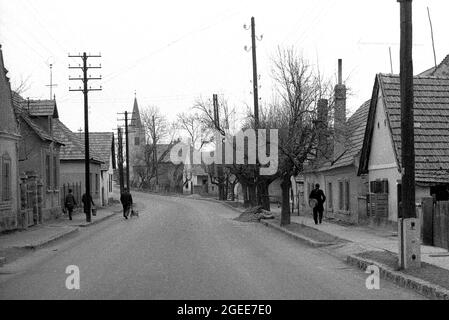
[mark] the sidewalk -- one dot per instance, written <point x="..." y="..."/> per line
<point x="41" y="235"/>
<point x="374" y="239"/>
<point x="363" y="246"/>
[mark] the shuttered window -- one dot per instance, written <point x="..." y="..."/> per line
<point x="6" y="178"/>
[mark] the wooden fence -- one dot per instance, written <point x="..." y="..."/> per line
<point x="441" y="224"/>
<point x="76" y="188"/>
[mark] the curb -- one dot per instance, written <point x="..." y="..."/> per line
<point x="296" y="236"/>
<point x="93" y="222"/>
<point x="51" y="239"/>
<point x="423" y="287"/>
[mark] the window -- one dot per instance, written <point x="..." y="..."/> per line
<point x="329" y="195"/>
<point x="6" y="178"/>
<point x="55" y="173"/>
<point x="47" y="172"/>
<point x="340" y="195"/>
<point x="136" y="141"/>
<point x="347" y="196"/>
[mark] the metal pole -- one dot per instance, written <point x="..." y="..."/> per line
<point x="86" y="140"/>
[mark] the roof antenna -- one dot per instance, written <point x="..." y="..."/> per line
<point x="391" y="62"/>
<point x="433" y="43"/>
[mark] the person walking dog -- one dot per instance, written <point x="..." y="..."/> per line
<point x="127" y="201"/>
<point x="318" y="195"/>
<point x="70" y="203"/>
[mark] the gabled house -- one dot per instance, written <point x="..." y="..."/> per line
<point x="72" y="165"/>
<point x="381" y="153"/>
<point x="103" y="144"/>
<point x="39" y="153"/>
<point x="337" y="168"/>
<point x="9" y="164"/>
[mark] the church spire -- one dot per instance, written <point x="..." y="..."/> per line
<point x="135" y="120"/>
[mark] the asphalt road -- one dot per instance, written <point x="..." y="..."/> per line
<point x="186" y="249"/>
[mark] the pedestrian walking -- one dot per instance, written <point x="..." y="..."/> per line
<point x="318" y="195"/>
<point x="70" y="203"/>
<point x="127" y="201"/>
<point x="85" y="199"/>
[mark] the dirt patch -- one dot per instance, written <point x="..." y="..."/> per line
<point x="254" y="214"/>
<point x="427" y="272"/>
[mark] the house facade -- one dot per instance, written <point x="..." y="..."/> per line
<point x="72" y="166"/>
<point x="39" y="156"/>
<point x="336" y="166"/>
<point x="381" y="153"/>
<point x="9" y="164"/>
<point x="103" y="144"/>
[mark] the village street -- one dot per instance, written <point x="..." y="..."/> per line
<point x="186" y="249"/>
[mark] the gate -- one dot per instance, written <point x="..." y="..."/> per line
<point x="436" y="223"/>
<point x="377" y="205"/>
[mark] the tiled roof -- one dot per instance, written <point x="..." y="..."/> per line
<point x="23" y="114"/>
<point x="355" y="126"/>
<point x="73" y="148"/>
<point x="8" y="121"/>
<point x="356" y="129"/>
<point x="442" y="70"/>
<point x="36" y="108"/>
<point x="102" y="143"/>
<point x="431" y="117"/>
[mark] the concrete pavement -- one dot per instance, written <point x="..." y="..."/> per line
<point x="185" y="249"/>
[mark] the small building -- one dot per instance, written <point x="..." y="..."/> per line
<point x="102" y="143"/>
<point x="72" y="167"/>
<point x="39" y="153"/>
<point x="9" y="158"/>
<point x="380" y="159"/>
<point x="336" y="167"/>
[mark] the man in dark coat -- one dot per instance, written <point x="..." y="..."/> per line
<point x="70" y="203"/>
<point x="85" y="200"/>
<point x="127" y="201"/>
<point x="318" y="209"/>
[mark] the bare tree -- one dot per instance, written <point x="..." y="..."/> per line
<point x="159" y="130"/>
<point x="295" y="114"/>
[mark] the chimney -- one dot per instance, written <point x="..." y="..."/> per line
<point x="339" y="114"/>
<point x="322" y="117"/>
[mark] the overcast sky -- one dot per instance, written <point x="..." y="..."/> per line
<point x="171" y="52"/>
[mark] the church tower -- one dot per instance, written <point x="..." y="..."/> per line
<point x="137" y="143"/>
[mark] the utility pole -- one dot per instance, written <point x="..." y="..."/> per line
<point x="155" y="161"/>
<point x="85" y="91"/>
<point x="126" y="145"/>
<point x="120" y="158"/>
<point x="409" y="247"/>
<point x="51" y="85"/>
<point x="127" y="149"/>
<point x="255" y="87"/>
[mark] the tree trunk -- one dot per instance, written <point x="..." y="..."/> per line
<point x="263" y="196"/>
<point x="232" y="192"/>
<point x="252" y="195"/>
<point x="285" y="210"/>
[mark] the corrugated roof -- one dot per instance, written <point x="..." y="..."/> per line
<point x="431" y="117"/>
<point x="73" y="148"/>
